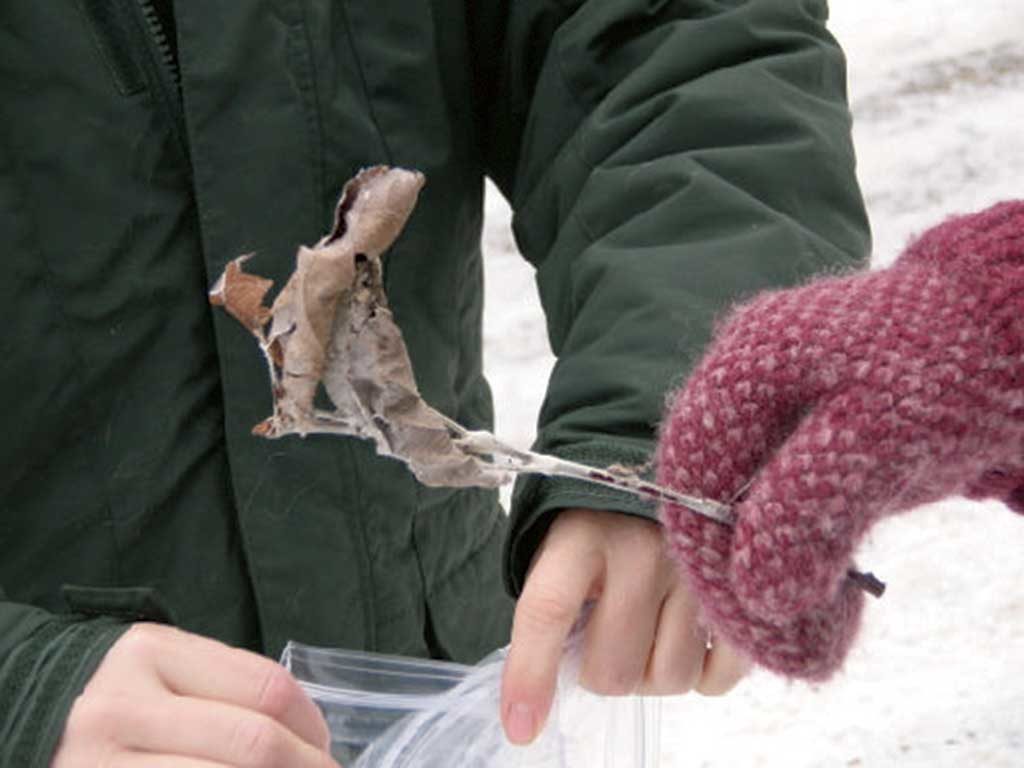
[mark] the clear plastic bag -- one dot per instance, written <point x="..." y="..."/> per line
<point x="396" y="712"/>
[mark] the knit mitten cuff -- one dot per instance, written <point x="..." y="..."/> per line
<point x="986" y="250"/>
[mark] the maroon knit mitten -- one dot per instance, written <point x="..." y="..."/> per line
<point x="827" y="407"/>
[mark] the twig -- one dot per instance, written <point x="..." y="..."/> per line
<point x="867" y="581"/>
<point x="489" y="449"/>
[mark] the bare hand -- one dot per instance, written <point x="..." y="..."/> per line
<point x="163" y="698"/>
<point x="642" y="637"/>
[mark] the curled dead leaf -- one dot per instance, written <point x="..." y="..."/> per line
<point x="241" y="294"/>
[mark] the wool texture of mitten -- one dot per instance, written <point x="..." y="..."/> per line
<point x="821" y="409"/>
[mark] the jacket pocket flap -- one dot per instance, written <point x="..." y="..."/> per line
<point x="133" y="603"/>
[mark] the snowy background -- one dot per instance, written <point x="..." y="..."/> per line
<point x="937" y="679"/>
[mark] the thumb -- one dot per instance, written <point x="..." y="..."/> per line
<point x="561" y="580"/>
<point x="811" y="504"/>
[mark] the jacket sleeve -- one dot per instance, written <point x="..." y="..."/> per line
<point x="663" y="160"/>
<point x="45" y="661"/>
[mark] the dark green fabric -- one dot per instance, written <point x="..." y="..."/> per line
<point x="674" y="157"/>
<point x="44" y="663"/>
<point x="663" y="158"/>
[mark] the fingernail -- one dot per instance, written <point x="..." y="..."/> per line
<point x="521" y="723"/>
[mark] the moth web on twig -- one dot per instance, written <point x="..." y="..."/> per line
<point x="330" y="329"/>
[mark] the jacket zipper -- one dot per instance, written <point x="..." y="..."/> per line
<point x="160" y="63"/>
<point x="160" y="36"/>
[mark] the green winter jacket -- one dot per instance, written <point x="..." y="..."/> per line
<point x="663" y="158"/>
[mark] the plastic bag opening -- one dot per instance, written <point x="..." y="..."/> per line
<point x="397" y="712"/>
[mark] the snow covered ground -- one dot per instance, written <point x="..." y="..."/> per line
<point x="937" y="88"/>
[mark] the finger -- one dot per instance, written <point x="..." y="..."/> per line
<point x="562" y="578"/>
<point x="193" y="728"/>
<point x="195" y="666"/>
<point x="723" y="668"/>
<point x="621" y="630"/>
<point x="680" y="644"/>
<point x="147" y="760"/>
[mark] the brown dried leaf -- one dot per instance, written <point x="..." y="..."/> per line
<point x="371" y="213"/>
<point x="241" y="294"/>
<point x="369" y="372"/>
<point x="330" y="326"/>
